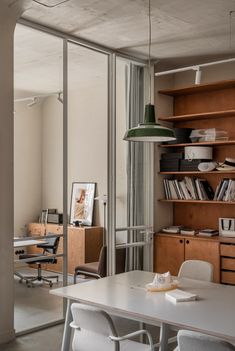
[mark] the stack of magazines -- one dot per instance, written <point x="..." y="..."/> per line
<point x="188" y="188"/>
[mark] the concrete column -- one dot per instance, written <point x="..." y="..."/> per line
<point x="10" y="11"/>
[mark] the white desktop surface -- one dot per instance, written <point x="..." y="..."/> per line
<point x="125" y="295"/>
<point x="23" y="242"/>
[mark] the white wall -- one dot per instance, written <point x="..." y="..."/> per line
<point x="27" y="165"/>
<point x="39" y="153"/>
<point x="52" y="154"/>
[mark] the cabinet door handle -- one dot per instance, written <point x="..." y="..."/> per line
<point x="181" y="241"/>
<point x="187" y="241"/>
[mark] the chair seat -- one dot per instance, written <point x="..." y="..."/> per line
<point x="130" y="345"/>
<point x="46" y="259"/>
<point x="91" y="267"/>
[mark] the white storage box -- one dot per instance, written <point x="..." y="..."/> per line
<point x="198" y="152"/>
<point x="210" y="134"/>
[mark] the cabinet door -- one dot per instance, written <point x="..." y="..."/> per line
<point x="168" y="254"/>
<point x="206" y="250"/>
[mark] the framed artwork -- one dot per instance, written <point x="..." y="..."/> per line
<point x="82" y="203"/>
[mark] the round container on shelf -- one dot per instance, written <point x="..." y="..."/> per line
<point x="198" y="152"/>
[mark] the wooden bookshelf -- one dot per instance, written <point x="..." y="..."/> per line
<point x="208" y="143"/>
<point x="221" y="85"/>
<point x="197" y="173"/>
<point x="195" y="116"/>
<point x="209" y="202"/>
<point x="201" y="106"/>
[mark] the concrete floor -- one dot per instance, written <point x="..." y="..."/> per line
<point x="49" y="340"/>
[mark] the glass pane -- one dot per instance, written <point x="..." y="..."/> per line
<point x="87" y="148"/>
<point x="38" y="172"/>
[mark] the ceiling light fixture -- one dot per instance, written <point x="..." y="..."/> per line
<point x="149" y="131"/>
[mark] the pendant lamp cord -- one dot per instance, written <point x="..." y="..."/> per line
<point x="149" y="58"/>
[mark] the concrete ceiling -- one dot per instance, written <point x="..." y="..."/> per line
<point x="183" y="31"/>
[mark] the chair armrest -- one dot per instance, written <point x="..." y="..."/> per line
<point x="132" y="335"/>
<point x="74" y="326"/>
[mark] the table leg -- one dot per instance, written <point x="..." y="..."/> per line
<point x="164" y="333"/>
<point x="67" y="329"/>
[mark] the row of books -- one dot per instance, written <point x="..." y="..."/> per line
<point x="225" y="191"/>
<point x="188" y="188"/>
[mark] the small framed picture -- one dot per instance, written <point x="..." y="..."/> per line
<point x="82" y="203"/>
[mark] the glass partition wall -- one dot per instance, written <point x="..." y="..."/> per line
<point x="72" y="107"/>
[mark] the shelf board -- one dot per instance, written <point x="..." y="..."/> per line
<point x="199" y="202"/>
<point x="199" y="88"/>
<point x="195" y="116"/>
<point x="215" y="143"/>
<point x="198" y="172"/>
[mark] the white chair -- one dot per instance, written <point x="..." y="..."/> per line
<point x="94" y="330"/>
<point x="193" y="341"/>
<point x="196" y="269"/>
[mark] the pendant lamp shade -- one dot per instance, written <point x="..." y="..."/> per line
<point x="149" y="131"/>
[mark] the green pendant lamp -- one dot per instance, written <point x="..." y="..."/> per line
<point x="149" y="131"/>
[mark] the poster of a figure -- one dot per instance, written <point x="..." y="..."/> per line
<point x="82" y="202"/>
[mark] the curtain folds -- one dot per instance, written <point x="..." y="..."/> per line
<point x="135" y="162"/>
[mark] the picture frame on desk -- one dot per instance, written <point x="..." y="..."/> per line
<point x="82" y="203"/>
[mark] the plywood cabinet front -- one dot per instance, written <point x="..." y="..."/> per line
<point x="170" y="251"/>
<point x="168" y="254"/>
<point x="205" y="250"/>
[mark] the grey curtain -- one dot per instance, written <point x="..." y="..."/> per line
<point x="135" y="161"/>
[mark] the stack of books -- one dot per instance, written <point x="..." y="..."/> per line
<point x="208" y="232"/>
<point x="188" y="189"/>
<point x="188" y="231"/>
<point x="225" y="191"/>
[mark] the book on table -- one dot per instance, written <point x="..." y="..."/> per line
<point x="178" y="295"/>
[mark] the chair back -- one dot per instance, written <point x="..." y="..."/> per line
<point x="120" y="261"/>
<point x="191" y="341"/>
<point x="51" y="245"/>
<point x="196" y="269"/>
<point x="102" y="266"/>
<point x="92" y="329"/>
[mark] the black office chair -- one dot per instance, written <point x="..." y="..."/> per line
<point x="98" y="269"/>
<point x="51" y="247"/>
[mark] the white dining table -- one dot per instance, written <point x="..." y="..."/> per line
<point x="125" y="295"/>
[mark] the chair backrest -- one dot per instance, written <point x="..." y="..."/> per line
<point x="196" y="269"/>
<point x="102" y="269"/>
<point x="191" y="341"/>
<point x="120" y="261"/>
<point x="92" y="328"/>
<point x="51" y="245"/>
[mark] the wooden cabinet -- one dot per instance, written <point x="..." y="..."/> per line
<point x="171" y="250"/>
<point x="200" y="107"/>
<point x="227" y="256"/>
<point x="84" y="244"/>
<point x="168" y="254"/>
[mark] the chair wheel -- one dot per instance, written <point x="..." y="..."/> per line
<point x="50" y="284"/>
